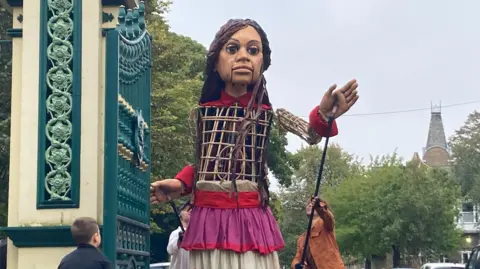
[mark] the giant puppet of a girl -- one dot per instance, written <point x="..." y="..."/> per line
<point x="231" y="224"/>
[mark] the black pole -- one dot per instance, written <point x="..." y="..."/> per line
<point x="176" y="214"/>
<point x="317" y="188"/>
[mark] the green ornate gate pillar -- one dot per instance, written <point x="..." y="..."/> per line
<point x="61" y="163"/>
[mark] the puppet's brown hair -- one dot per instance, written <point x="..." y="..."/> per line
<point x="213" y="83"/>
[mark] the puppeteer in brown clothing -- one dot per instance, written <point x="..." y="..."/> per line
<point x="323" y="252"/>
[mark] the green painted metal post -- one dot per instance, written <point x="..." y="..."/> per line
<point x="111" y="134"/>
<point x="127" y="142"/>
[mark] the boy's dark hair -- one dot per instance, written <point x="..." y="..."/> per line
<point x="83" y="230"/>
<point x="187" y="206"/>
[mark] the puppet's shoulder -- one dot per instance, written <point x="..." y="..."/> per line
<point x="296" y="125"/>
<point x="193" y="121"/>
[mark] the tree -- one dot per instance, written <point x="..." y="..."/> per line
<point x="176" y="80"/>
<point x="339" y="165"/>
<point x="276" y="206"/>
<point x="294" y="221"/>
<point x="279" y="160"/>
<point x="465" y="144"/>
<point x="406" y="209"/>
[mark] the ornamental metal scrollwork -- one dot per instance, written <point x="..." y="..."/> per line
<point x="107" y="17"/>
<point x="59" y="77"/>
<point x="132" y="264"/>
<point x="139" y="138"/>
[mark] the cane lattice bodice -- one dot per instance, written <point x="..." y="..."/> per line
<point x="218" y="130"/>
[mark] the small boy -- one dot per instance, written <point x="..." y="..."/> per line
<point x="86" y="233"/>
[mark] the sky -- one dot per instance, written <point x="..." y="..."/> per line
<point x="405" y="55"/>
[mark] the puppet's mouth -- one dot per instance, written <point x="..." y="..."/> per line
<point x="242" y="68"/>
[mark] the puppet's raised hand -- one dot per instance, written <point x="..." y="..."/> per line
<point x="339" y="100"/>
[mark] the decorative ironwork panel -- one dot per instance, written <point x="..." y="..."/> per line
<point x="126" y="233"/>
<point x="59" y="104"/>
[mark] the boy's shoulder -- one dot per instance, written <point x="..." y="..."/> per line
<point x="69" y="256"/>
<point x="67" y="259"/>
<point x="83" y="255"/>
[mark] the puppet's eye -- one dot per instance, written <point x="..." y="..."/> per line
<point x="232" y="49"/>
<point x="253" y="50"/>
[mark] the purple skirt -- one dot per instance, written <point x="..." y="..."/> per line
<point x="239" y="230"/>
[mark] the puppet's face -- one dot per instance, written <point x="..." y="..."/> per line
<point x="241" y="58"/>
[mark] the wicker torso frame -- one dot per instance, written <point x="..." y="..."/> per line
<point x="218" y="128"/>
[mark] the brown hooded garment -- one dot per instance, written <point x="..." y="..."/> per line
<point x="323" y="244"/>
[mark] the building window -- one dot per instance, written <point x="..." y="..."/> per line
<point x="465" y="256"/>
<point x="468" y="213"/>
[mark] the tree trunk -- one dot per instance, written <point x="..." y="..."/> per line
<point x="368" y="263"/>
<point x="6" y="6"/>
<point x="396" y="256"/>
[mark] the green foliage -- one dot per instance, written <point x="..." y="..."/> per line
<point x="411" y="207"/>
<point x="294" y="221"/>
<point x="339" y="165"/>
<point x="177" y="65"/>
<point x="155" y="10"/>
<point x="279" y="160"/>
<point x="464" y="146"/>
<point x="276" y="206"/>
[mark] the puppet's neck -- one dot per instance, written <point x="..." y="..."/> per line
<point x="235" y="90"/>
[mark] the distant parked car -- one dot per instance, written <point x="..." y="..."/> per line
<point x="445" y="265"/>
<point x="474" y="261"/>
<point x="160" y="265"/>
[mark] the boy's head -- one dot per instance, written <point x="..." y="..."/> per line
<point x="185" y="214"/>
<point x="85" y="230"/>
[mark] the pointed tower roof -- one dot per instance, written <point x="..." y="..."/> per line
<point x="416" y="157"/>
<point x="436" y="132"/>
<point x="436" y="150"/>
<point x="417" y="160"/>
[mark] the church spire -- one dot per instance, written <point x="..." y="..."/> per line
<point x="436" y="152"/>
<point x="436" y="132"/>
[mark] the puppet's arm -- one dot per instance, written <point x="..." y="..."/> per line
<point x="167" y="189"/>
<point x="312" y="132"/>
